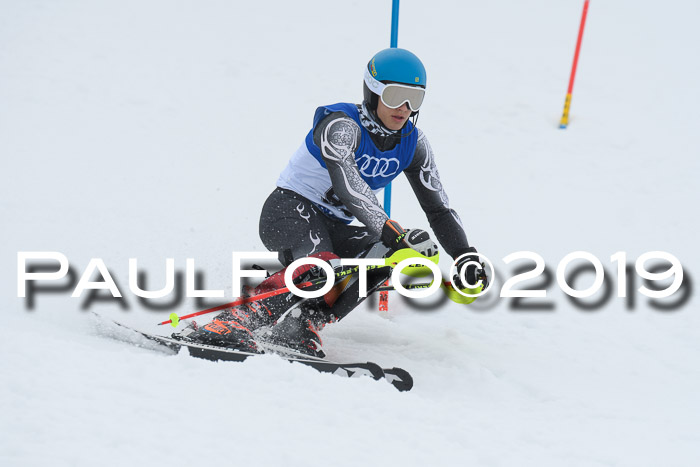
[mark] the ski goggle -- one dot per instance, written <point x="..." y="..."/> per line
<point x="395" y="95"/>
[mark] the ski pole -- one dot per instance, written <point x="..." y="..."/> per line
<point x="390" y="288"/>
<point x="445" y="286"/>
<point x="567" y="102"/>
<point x="391" y="261"/>
<point x="255" y="298"/>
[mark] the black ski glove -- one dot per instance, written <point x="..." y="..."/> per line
<point x="473" y="273"/>
<point x="396" y="238"/>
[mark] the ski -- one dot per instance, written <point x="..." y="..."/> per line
<point x="398" y="377"/>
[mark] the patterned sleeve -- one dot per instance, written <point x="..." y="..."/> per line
<point x="424" y="178"/>
<point x="338" y="136"/>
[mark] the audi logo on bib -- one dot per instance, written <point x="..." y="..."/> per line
<point x="371" y="166"/>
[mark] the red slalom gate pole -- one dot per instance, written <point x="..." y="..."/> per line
<point x="567" y="103"/>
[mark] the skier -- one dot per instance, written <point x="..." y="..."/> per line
<point x="351" y="152"/>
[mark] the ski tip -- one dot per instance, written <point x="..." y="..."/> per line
<point x="399" y="378"/>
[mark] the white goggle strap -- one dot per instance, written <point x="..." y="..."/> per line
<point x="374" y="85"/>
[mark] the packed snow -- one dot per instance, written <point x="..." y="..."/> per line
<point x="156" y="130"/>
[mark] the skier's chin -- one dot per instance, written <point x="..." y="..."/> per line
<point x="396" y="123"/>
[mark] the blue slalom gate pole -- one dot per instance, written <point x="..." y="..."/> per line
<point x="384" y="295"/>
<point x="394" y="23"/>
<point x="394" y="42"/>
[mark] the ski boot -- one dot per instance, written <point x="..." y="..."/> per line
<point x="299" y="329"/>
<point x="223" y="331"/>
<point x="230" y="328"/>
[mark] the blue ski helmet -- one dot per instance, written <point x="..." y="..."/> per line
<point x="392" y="65"/>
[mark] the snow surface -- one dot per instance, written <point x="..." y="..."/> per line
<point x="156" y="129"/>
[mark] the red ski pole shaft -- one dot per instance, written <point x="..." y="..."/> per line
<point x="567" y="103"/>
<point x="255" y="298"/>
<point x="391" y="261"/>
<point x="241" y="301"/>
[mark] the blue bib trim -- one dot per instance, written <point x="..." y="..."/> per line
<point x="377" y="168"/>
